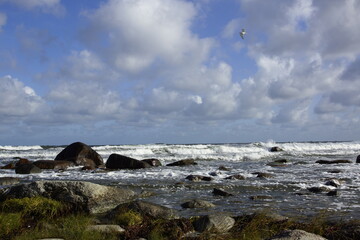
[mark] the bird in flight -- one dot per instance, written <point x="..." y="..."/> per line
<point x="242" y="33"/>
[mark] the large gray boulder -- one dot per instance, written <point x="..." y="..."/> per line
<point x="81" y="196"/>
<point x="80" y="154"/>
<point x="297" y="235"/>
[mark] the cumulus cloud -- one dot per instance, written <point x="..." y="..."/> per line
<point x="46" y="6"/>
<point x="3" y="19"/>
<point x="17" y="99"/>
<point x="160" y="36"/>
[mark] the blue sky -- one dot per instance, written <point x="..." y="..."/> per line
<point x="177" y="71"/>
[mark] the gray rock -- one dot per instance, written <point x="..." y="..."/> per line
<point x="106" y="228"/>
<point x="84" y="196"/>
<point x="196" y="203"/>
<point x="198" y="178"/>
<point x="214" y="223"/>
<point x="297" y="235"/>
<point x="9" y="181"/>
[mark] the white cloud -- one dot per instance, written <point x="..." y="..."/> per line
<point x="141" y="33"/>
<point x="17" y="99"/>
<point x="3" y="19"/>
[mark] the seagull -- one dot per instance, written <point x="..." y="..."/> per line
<point x="242" y="33"/>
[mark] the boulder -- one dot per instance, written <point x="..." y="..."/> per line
<point x="81" y="196"/>
<point x="297" y="235"/>
<point x="333" y="161"/>
<point x="214" y="223"/>
<point x="358" y="159"/>
<point x="153" y="162"/>
<point x="8" y="166"/>
<point x="50" y="164"/>
<point x="185" y="162"/>
<point x="145" y="209"/>
<point x="22" y="161"/>
<point x="27" y="168"/>
<point x="80" y="154"/>
<point x="117" y="161"/>
<point x="221" y="192"/>
<point x="198" y="178"/>
<point x="196" y="203"/>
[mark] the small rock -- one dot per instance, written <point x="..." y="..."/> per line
<point x="318" y="189"/>
<point x="198" y="178"/>
<point x="264" y="175"/>
<point x="27" y="168"/>
<point x="333" y="182"/>
<point x="220" y="192"/>
<point x="358" y="159"/>
<point x="185" y="162"/>
<point x="297" y="235"/>
<point x="196" y="203"/>
<point x="9" y="181"/>
<point x="236" y="177"/>
<point x="333" y="193"/>
<point x="276" y="149"/>
<point x="106" y="228"/>
<point x="260" y="197"/>
<point x="153" y="162"/>
<point x="223" y="168"/>
<point x="214" y="223"/>
<point x="333" y="161"/>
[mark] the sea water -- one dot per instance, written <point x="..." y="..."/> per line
<point x="285" y="193"/>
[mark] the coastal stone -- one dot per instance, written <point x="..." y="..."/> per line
<point x="27" y="168"/>
<point x="153" y="162"/>
<point x="81" y="155"/>
<point x="261" y="197"/>
<point x="214" y="223"/>
<point x="333" y="182"/>
<point x="22" y="161"/>
<point x="333" y="193"/>
<point x="223" y="168"/>
<point x="333" y="161"/>
<point x="276" y="149"/>
<point x="197" y="203"/>
<point x="236" y="177"/>
<point x="297" y="235"/>
<point x="221" y="192"/>
<point x="318" y="189"/>
<point x="145" y="209"/>
<point x="117" y="161"/>
<point x="198" y="178"/>
<point x="184" y="162"/>
<point x="9" y="181"/>
<point x="8" y="166"/>
<point x="51" y="164"/>
<point x="81" y="196"/>
<point x="264" y="175"/>
<point x="358" y="159"/>
<point x="104" y="228"/>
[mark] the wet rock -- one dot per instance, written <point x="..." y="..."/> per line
<point x="28" y="168"/>
<point x="318" y="189"/>
<point x="81" y="155"/>
<point x="358" y="159"/>
<point x="236" y="177"/>
<point x="153" y="162"/>
<point x="335" y="171"/>
<point x="276" y="149"/>
<point x="22" y="161"/>
<point x="264" y="175"/>
<point x="223" y="168"/>
<point x="9" y="181"/>
<point x="185" y="162"/>
<point x="333" y="193"/>
<point x="260" y="197"/>
<point x="296" y="235"/>
<point x="196" y="203"/>
<point x="8" y="166"/>
<point x="105" y="228"/>
<point x="145" y="209"/>
<point x="82" y="196"/>
<point x="333" y="182"/>
<point x="198" y="178"/>
<point x="340" y="161"/>
<point x="221" y="192"/>
<point x="117" y="161"/>
<point x="214" y="223"/>
<point x="50" y="164"/>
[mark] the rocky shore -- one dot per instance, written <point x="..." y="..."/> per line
<point x="85" y="210"/>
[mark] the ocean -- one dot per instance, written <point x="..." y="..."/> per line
<point x="286" y="192"/>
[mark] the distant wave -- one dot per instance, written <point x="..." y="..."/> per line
<point x="20" y="148"/>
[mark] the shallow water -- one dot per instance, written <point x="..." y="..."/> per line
<point x="285" y="193"/>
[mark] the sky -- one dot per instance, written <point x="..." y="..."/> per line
<point x="177" y="71"/>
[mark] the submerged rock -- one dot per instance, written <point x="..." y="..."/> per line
<point x="153" y="162"/>
<point x="185" y="162"/>
<point x="27" y="168"/>
<point x="276" y="149"/>
<point x="196" y="203"/>
<point x="51" y="164"/>
<point x="198" y="178"/>
<point x="80" y="154"/>
<point x="333" y="161"/>
<point x="82" y="196"/>
<point x="236" y="177"/>
<point x="221" y="192"/>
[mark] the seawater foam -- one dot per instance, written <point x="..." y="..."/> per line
<point x="20" y="148"/>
